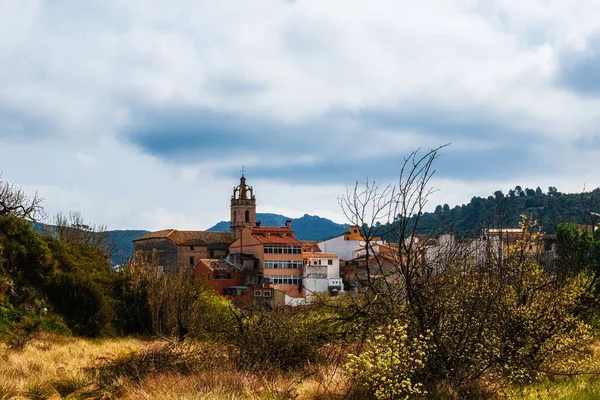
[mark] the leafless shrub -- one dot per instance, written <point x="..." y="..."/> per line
<point x="14" y="201"/>
<point x="72" y="228"/>
<point x="492" y="314"/>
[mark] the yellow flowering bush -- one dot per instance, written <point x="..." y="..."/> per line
<point x="390" y="365"/>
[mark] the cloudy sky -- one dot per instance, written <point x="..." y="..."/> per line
<point x="140" y="113"/>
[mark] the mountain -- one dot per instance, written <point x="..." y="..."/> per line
<point x="122" y="239"/>
<point x="307" y="227"/>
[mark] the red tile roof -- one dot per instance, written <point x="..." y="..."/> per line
<point x="319" y="255"/>
<point x="190" y="238"/>
<point x="217" y="265"/>
<point x="310" y="246"/>
<point x="274" y="235"/>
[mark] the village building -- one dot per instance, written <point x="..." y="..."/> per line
<point x="345" y="245"/>
<point x="251" y="261"/>
<point x="321" y="274"/>
<point x="229" y="280"/>
<point x="271" y="255"/>
<point x="173" y="249"/>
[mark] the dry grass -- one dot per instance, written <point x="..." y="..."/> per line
<point x="54" y="367"/>
<point x="58" y="367"/>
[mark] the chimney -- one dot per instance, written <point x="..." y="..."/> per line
<point x="288" y="223"/>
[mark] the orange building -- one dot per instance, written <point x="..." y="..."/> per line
<point x="275" y="255"/>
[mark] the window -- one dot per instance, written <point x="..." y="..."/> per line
<point x="355" y="230"/>
<point x="284" y="279"/>
<point x="247" y="216"/>
<point x="234" y="216"/>
<point x="191" y="247"/>
<point x="208" y="276"/>
<point x="257" y="293"/>
<point x="282" y="264"/>
<point x="191" y="260"/>
<point x="329" y="262"/>
<point x="267" y="293"/>
<point x="315" y="262"/>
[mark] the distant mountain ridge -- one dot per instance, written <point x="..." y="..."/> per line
<point x="122" y="239"/>
<point x="307" y="227"/>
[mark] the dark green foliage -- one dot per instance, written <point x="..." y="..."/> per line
<point x="41" y="276"/>
<point x="131" y="305"/>
<point x="25" y="256"/>
<point x="82" y="303"/>
<point x="574" y="248"/>
<point x="505" y="211"/>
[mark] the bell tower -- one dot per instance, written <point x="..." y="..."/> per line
<point x="243" y="207"/>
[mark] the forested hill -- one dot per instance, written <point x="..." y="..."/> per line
<point x="307" y="227"/>
<point x="122" y="240"/>
<point x="500" y="209"/>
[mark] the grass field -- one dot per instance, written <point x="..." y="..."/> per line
<point x="54" y="367"/>
<point x="59" y="367"/>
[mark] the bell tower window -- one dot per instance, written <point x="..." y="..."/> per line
<point x="247" y="216"/>
<point x="235" y="216"/>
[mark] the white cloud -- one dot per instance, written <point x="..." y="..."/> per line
<point x="81" y="70"/>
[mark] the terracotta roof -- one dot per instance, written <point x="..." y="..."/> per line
<point x="215" y="264"/>
<point x="319" y="255"/>
<point x="274" y="235"/>
<point x="280" y="229"/>
<point x="190" y="238"/>
<point x="310" y="246"/>
<point x="276" y="239"/>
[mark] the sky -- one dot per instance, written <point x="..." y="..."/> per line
<point x="140" y="114"/>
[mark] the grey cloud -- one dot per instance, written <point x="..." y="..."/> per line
<point x="580" y="71"/>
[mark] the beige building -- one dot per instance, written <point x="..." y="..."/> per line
<point x="176" y="249"/>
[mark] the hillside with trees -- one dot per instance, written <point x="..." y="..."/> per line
<point x="548" y="208"/>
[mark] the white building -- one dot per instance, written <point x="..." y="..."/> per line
<point x="321" y="274"/>
<point x="345" y="245"/>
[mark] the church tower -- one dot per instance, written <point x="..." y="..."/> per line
<point x="243" y="208"/>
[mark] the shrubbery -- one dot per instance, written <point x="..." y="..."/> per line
<point x="392" y="362"/>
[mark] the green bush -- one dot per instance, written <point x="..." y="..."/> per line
<point x="284" y="338"/>
<point x="82" y="303"/>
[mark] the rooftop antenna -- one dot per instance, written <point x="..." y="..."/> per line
<point x="243" y="170"/>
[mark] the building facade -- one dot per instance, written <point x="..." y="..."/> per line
<point x="345" y="245"/>
<point x="173" y="250"/>
<point x="321" y="274"/>
<point x="273" y="255"/>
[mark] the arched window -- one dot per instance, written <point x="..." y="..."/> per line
<point x="234" y="216"/>
<point x="247" y="215"/>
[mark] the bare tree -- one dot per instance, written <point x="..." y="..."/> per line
<point x="484" y="306"/>
<point x="72" y="228"/>
<point x="393" y="211"/>
<point x="14" y="201"/>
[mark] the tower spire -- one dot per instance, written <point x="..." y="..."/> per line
<point x="243" y="206"/>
